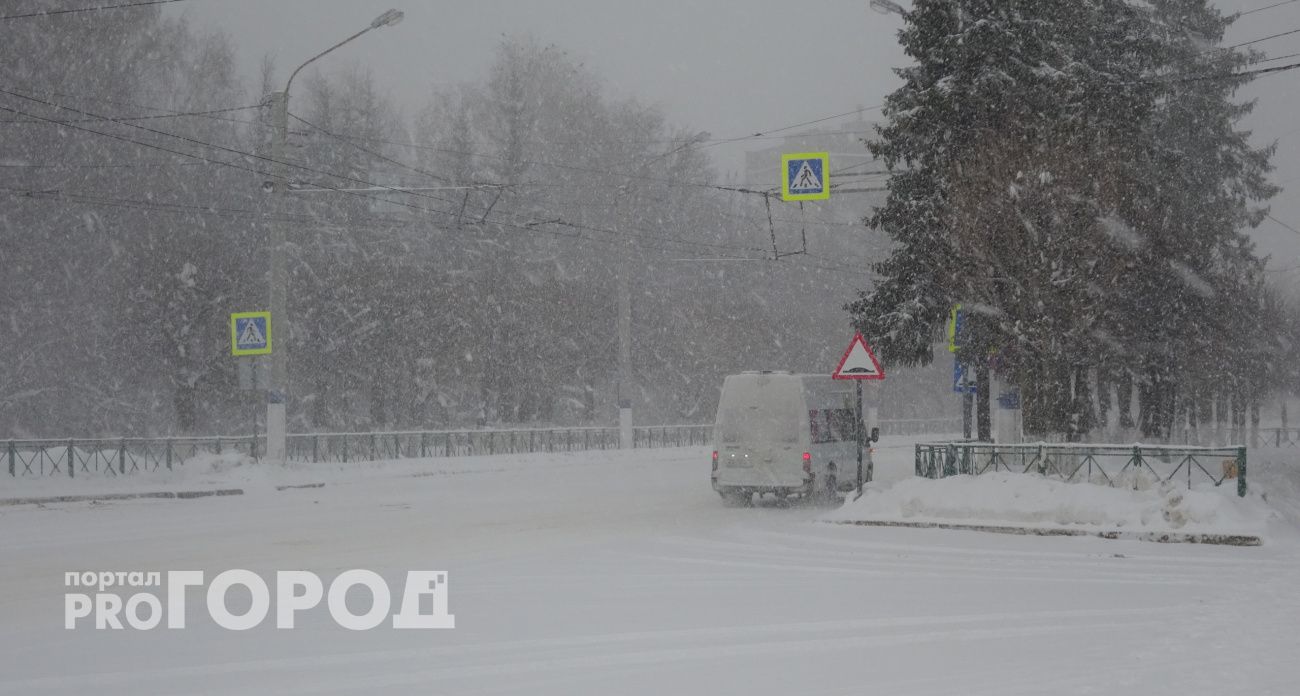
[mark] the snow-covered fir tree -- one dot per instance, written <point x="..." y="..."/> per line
<point x="1071" y="173"/>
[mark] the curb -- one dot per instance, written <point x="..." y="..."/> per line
<point x="1158" y="537"/>
<point x="97" y="497"/>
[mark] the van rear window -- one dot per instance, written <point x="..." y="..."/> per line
<point x="758" y="425"/>
<point x="831" y="425"/>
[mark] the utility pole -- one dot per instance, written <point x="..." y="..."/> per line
<point x="278" y="391"/>
<point x="277" y="395"/>
<point x="625" y="382"/>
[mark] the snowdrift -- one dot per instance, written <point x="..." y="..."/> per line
<point x="1011" y="501"/>
<point x="239" y="474"/>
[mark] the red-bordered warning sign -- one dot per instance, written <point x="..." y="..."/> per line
<point x="858" y="362"/>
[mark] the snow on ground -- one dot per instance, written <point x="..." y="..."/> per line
<point x="1271" y="507"/>
<point x="620" y="572"/>
<point x="209" y="471"/>
<point x="1005" y="498"/>
<point x="1274" y="475"/>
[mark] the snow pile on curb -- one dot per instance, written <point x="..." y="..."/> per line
<point x="1274" y="475"/>
<point x="1026" y="500"/>
<point x="209" y="471"/>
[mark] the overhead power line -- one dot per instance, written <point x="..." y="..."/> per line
<point x="315" y="223"/>
<point x="551" y="165"/>
<point x="375" y="225"/>
<point x="132" y="141"/>
<point x="368" y="151"/>
<point x="164" y="111"/>
<point x="538" y="226"/>
<point x="531" y="226"/>
<point x="782" y="129"/>
<point x="843" y="171"/>
<point x="150" y="117"/>
<point x="1234" y="75"/>
<point x="151" y="204"/>
<point x="1267" y="7"/>
<point x="1262" y="39"/>
<point x="352" y="139"/>
<point x="104" y="165"/>
<point x="1270" y="59"/>
<point x="97" y="8"/>
<point x="190" y="210"/>
<point x="193" y="141"/>
<point x="1190" y="76"/>
<point x="1289" y="227"/>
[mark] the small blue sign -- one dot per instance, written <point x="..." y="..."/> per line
<point x="250" y="333"/>
<point x="961" y="381"/>
<point x="804" y="176"/>
<point x="1009" y="400"/>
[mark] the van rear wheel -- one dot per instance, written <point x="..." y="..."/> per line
<point x="736" y="499"/>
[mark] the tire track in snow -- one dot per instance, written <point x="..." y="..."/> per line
<point x="625" y="650"/>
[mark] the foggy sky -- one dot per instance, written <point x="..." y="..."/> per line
<point x="730" y="67"/>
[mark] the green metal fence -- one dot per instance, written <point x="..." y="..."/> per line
<point x="108" y="457"/>
<point x="1279" y="438"/>
<point x="1112" y="465"/>
<point x="345" y="447"/>
<point x="111" y="457"/>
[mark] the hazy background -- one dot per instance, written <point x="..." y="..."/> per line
<point x="729" y="67"/>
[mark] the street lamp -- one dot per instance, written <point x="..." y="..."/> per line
<point x="277" y="396"/>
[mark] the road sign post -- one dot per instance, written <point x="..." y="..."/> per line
<point x="961" y="373"/>
<point x="250" y="335"/>
<point x="253" y="377"/>
<point x="859" y="364"/>
<point x="967" y="411"/>
<point x="857" y="431"/>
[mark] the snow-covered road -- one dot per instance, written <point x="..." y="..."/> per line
<point x="616" y="573"/>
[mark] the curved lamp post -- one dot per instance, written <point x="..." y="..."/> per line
<point x="278" y="394"/>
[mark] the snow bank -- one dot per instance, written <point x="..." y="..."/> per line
<point x="230" y="470"/>
<point x="1274" y="476"/>
<point x="205" y="471"/>
<point x="1026" y="500"/>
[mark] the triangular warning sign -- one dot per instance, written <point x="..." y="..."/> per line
<point x="251" y="336"/>
<point x="805" y="179"/>
<point x="858" y="362"/>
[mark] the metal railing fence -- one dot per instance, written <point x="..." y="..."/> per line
<point x="344" y="447"/>
<point x="1112" y="465"/>
<point x="112" y="457"/>
<point x="124" y="456"/>
<point x="1280" y="438"/>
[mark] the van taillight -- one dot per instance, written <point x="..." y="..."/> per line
<point x="715" y="460"/>
<point x="807" y="463"/>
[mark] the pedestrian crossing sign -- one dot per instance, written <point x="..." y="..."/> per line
<point x="250" y="333"/>
<point x="806" y="176"/>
